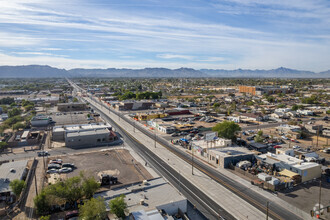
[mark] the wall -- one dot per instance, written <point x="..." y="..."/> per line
<point x="173" y="207"/>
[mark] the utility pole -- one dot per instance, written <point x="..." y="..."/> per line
<point x="320" y="198"/>
<point x="267" y="211"/>
<point x="35" y="180"/>
<point x="192" y="161"/>
<point x="155" y="138"/>
<point x="317" y="137"/>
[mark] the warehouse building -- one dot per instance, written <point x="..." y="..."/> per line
<point x="41" y="121"/>
<point x="74" y="106"/>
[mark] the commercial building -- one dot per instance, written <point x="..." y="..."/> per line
<point x="145" y="200"/>
<point x="41" y="121"/>
<point x="162" y="126"/>
<point x="307" y="170"/>
<point x="74" y="106"/>
<point x="9" y="172"/>
<point x="149" y="116"/>
<point x="85" y="135"/>
<point x="260" y="90"/>
<point x="224" y="157"/>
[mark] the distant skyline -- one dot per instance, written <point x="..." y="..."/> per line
<point x="215" y="34"/>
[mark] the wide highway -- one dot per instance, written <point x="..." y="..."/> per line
<point x="275" y="211"/>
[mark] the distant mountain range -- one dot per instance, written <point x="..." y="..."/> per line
<point x="38" y="71"/>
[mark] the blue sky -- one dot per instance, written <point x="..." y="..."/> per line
<point x="222" y="34"/>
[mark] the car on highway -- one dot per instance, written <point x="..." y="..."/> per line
<point x="52" y="171"/>
<point x="43" y="153"/>
<point x="65" y="170"/>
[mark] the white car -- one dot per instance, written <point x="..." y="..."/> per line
<point x="296" y="147"/>
<point x="65" y="170"/>
<point x="52" y="171"/>
<point x="285" y="138"/>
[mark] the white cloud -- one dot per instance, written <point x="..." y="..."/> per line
<point x="175" y="56"/>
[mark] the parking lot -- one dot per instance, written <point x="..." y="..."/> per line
<point x="118" y="162"/>
<point x="306" y="195"/>
<point x="73" y="118"/>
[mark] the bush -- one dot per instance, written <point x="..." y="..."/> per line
<point x="118" y="206"/>
<point x="17" y="186"/>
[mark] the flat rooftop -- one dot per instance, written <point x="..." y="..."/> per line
<point x="216" y="143"/>
<point x="281" y="158"/>
<point x="156" y="193"/>
<point x="87" y="133"/>
<point x="306" y="165"/>
<point x="231" y="151"/>
<point x="11" y="171"/>
<point x="81" y="127"/>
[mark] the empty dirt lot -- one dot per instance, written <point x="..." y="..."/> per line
<point x="117" y="162"/>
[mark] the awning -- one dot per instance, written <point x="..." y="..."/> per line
<point x="288" y="173"/>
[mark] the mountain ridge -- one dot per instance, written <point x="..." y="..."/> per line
<point x="45" y="71"/>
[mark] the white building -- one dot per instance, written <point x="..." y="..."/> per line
<point x="307" y="170"/>
<point x="305" y="112"/>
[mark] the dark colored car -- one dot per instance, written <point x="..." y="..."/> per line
<point x="71" y="165"/>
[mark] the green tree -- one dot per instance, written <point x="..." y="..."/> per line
<point x="17" y="186"/>
<point x="18" y="126"/>
<point x="14" y="112"/>
<point x="281" y="106"/>
<point x="216" y="105"/>
<point x="118" y="206"/>
<point x="89" y="186"/>
<point x="74" y="99"/>
<point x="227" y="129"/>
<point x="69" y="190"/>
<point x="93" y="209"/>
<point x="42" y="204"/>
<point x="45" y="217"/>
<point x="295" y="108"/>
<point x="270" y="99"/>
<point x="28" y="107"/>
<point x="249" y="103"/>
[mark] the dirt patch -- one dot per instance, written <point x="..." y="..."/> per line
<point x="118" y="162"/>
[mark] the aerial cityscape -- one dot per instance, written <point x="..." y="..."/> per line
<point x="146" y="110"/>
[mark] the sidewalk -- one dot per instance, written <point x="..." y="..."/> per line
<point x="236" y="206"/>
